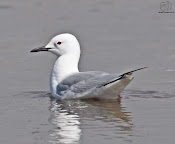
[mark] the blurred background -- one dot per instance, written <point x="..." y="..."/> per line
<point x="115" y="36"/>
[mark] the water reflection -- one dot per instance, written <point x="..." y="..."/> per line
<point x="73" y="119"/>
<point x="66" y="124"/>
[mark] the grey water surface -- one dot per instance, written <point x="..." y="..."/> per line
<point x="115" y="36"/>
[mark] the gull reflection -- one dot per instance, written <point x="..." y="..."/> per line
<point x="66" y="124"/>
<point x="73" y="120"/>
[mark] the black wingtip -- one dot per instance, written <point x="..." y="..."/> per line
<point x="123" y="75"/>
<point x="130" y="72"/>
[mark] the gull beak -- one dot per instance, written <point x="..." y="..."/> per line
<point x="43" y="48"/>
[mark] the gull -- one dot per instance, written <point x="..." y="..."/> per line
<point x="66" y="82"/>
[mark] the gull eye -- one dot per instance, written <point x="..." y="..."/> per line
<point x="58" y="43"/>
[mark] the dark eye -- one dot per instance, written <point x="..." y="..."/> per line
<point x="58" y="43"/>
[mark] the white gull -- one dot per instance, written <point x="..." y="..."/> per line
<point x="66" y="82"/>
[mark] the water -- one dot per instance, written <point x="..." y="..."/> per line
<point x="115" y="36"/>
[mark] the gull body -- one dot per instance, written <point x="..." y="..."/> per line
<point x="66" y="82"/>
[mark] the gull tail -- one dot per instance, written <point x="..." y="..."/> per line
<point x="123" y="75"/>
<point x="111" y="89"/>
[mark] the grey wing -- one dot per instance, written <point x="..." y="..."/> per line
<point x="84" y="81"/>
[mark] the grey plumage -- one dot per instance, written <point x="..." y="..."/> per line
<point x="84" y="81"/>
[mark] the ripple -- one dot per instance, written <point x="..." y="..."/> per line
<point x="36" y="94"/>
<point x="147" y="94"/>
<point x="4" y="7"/>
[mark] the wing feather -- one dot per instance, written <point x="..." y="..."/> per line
<point x="84" y="81"/>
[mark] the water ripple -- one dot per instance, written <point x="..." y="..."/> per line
<point x="147" y="94"/>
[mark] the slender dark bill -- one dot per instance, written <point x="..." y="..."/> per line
<point x="40" y="49"/>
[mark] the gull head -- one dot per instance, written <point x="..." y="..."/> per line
<point x="61" y="44"/>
